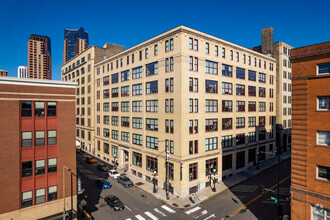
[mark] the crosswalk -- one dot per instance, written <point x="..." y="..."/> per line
<point x="167" y="212"/>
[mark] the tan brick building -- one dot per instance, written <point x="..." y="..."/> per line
<point x="37" y="139"/>
<point x="310" y="187"/>
<point x="210" y="102"/>
<point x="3" y="72"/>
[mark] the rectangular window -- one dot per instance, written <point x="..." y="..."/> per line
<point x="323" y="68"/>
<point x="211" y="86"/>
<point x="152" y="105"/>
<point x="39" y="167"/>
<point x="251" y="137"/>
<point x="231" y="55"/>
<point x="172" y="105"/>
<point x="262" y="106"/>
<point x="211" y="125"/>
<point x="152" y="164"/>
<point x="114" y="78"/>
<point x="146" y="53"/>
<point x="223" y="52"/>
<point x="262" y="92"/>
<point x="40" y="196"/>
<point x="193" y="171"/>
<point x="152" y="87"/>
<point x="52" y="193"/>
<point x="262" y="120"/>
<point x="106" y="106"/>
<point x="166" y="46"/>
<point x="323" y="138"/>
<point x="137" y="106"/>
<point x="26" y="139"/>
<point x="137" y="89"/>
<point x="196" y="44"/>
<point x="140" y="55"/>
<point x="237" y="57"/>
<point x="156" y="50"/>
<point x="106" y="132"/>
<point x="125" y="76"/>
<point x="240" y="106"/>
<point x="152" y="69"/>
<point x="240" y="122"/>
<point x="39" y="109"/>
<point x="137" y="139"/>
<point x="51" y="137"/>
<point x="52" y="165"/>
<point x="252" y="75"/>
<point x="106" y="80"/>
<point x="240" y="89"/>
<point x="252" y="91"/>
<point x="115" y="134"/>
<point x="227" y="162"/>
<point x="227" y="106"/>
<point x="240" y="139"/>
<point x="114" y="92"/>
<point x="125" y="91"/>
<point x="211" y="105"/>
<point x="211" y="166"/>
<point x="124" y="136"/>
<point x="207" y="48"/>
<point x="51" y="109"/>
<point x="227" y="123"/>
<point x="262" y="77"/>
<point x="227" y="70"/>
<point x="106" y="148"/>
<point x="137" y="123"/>
<point x="171" y="44"/>
<point x="227" y="141"/>
<point x="137" y="72"/>
<point x="26" y="168"/>
<point x="240" y="73"/>
<point x="114" y="106"/>
<point x="211" y="67"/>
<point x="106" y="93"/>
<point x="319" y="212"/>
<point x="27" y="199"/>
<point x="323" y="172"/>
<point x="125" y="122"/>
<point x="152" y="124"/>
<point x="190" y="43"/>
<point x="252" y="121"/>
<point x="114" y="120"/>
<point x="125" y="106"/>
<point x="39" y="138"/>
<point x="216" y="51"/>
<point x="137" y="159"/>
<point x="323" y="103"/>
<point x="227" y="88"/>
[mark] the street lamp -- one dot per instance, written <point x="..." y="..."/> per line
<point x="154" y="181"/>
<point x="212" y="179"/>
<point x="64" y="167"/>
<point x="214" y="176"/>
<point x="167" y="174"/>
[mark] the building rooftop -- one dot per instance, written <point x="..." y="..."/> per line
<point x="37" y="82"/>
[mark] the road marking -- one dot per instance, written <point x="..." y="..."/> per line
<point x="211" y="216"/>
<point x="139" y="217"/>
<point x="128" y="208"/>
<point x="151" y="216"/>
<point x="128" y="219"/>
<point x="193" y="210"/>
<point x="160" y="212"/>
<point x="168" y="209"/>
<point x="202" y="213"/>
<point x="257" y="197"/>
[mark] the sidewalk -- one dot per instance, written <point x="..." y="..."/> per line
<point x="205" y="193"/>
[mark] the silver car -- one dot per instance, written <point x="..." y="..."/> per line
<point x="125" y="181"/>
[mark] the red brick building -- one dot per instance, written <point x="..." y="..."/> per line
<point x="37" y="138"/>
<point x="310" y="186"/>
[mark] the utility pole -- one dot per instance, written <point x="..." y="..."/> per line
<point x="278" y="186"/>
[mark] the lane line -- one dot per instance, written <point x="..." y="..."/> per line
<point x="151" y="216"/>
<point x="128" y="208"/>
<point x="168" y="209"/>
<point x="193" y="210"/>
<point x="211" y="216"/>
<point x="139" y="217"/>
<point x="159" y="212"/>
<point x="257" y="197"/>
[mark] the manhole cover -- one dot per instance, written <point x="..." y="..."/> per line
<point x="186" y="206"/>
<point x="139" y="184"/>
<point x="174" y="204"/>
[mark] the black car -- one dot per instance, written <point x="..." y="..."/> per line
<point x="125" y="181"/>
<point x="114" y="203"/>
<point x="103" y="167"/>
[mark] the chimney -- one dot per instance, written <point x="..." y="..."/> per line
<point x="267" y="41"/>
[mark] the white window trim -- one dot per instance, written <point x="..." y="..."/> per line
<point x="318" y="103"/>
<point x="317" y="70"/>
<point x="317" y="138"/>
<point x="317" y="174"/>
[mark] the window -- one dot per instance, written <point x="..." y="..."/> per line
<point x="146" y="53"/>
<point x="114" y="78"/>
<point x="52" y="165"/>
<point x="191" y="124"/>
<point x="115" y="134"/>
<point x="137" y="72"/>
<point x="216" y="50"/>
<point x="223" y="52"/>
<point x="26" y="139"/>
<point x="152" y="69"/>
<point x="106" y="80"/>
<point x="140" y="55"/>
<point x="152" y="87"/>
<point x="262" y="77"/>
<point x="172" y="126"/>
<point x="262" y="120"/>
<point x="137" y="159"/>
<point x="207" y="48"/>
<point x="39" y="138"/>
<point x="227" y="162"/>
<point x="40" y="196"/>
<point x="137" y="123"/>
<point x="227" y="141"/>
<point x="52" y="193"/>
<point x="240" y="106"/>
<point x="195" y="44"/>
<point x="244" y="58"/>
<point x="240" y="89"/>
<point x="323" y="138"/>
<point x="106" y="132"/>
<point x="240" y="73"/>
<point x="227" y="123"/>
<point x="152" y="105"/>
<point x="39" y="167"/>
<point x="240" y="139"/>
<point x="39" y="109"/>
<point x="252" y="91"/>
<point x="166" y="46"/>
<point x="193" y="174"/>
<point x="211" y="105"/>
<point x="27" y="199"/>
<point x="172" y="105"/>
<point x="106" y="106"/>
<point x="26" y="168"/>
<point x="231" y="55"/>
<point x="240" y="122"/>
<point x="124" y="136"/>
<point x="211" y="67"/>
<point x="211" y="166"/>
<point x="252" y="75"/>
<point x="156" y="50"/>
<point x="51" y="138"/>
<point x="114" y="92"/>
<point x="227" y="106"/>
<point x="125" y="122"/>
<point x="137" y="139"/>
<point x="152" y="164"/>
<point x="211" y="125"/>
<point x="262" y="92"/>
<point x="125" y="91"/>
<point x="51" y="109"/>
<point x="132" y="62"/>
<point x="114" y="106"/>
<point x="227" y="88"/>
<point x="251" y="137"/>
<point x="323" y="103"/>
<point x="137" y="89"/>
<point x="252" y="121"/>
<point x="227" y="70"/>
<point x="237" y="57"/>
<point x="137" y="106"/>
<point x="152" y="142"/>
<point x="323" y="172"/>
<point x="125" y="106"/>
<point x="193" y="147"/>
<point x="211" y="86"/>
<point x="114" y="120"/>
<point x="152" y="124"/>
<point x="262" y="106"/>
<point x="106" y="93"/>
<point x="319" y="213"/>
<point x="190" y="43"/>
<point x="125" y="76"/>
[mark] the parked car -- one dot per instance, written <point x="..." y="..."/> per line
<point x="104" y="183"/>
<point x="114" y="202"/>
<point x="90" y="160"/>
<point x="113" y="173"/>
<point x="125" y="181"/>
<point x="103" y="167"/>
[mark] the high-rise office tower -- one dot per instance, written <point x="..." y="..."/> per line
<point x="75" y="42"/>
<point x="22" y="72"/>
<point x="39" y="57"/>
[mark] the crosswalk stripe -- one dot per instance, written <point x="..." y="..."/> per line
<point x="151" y="216"/>
<point x="211" y="216"/>
<point x="193" y="210"/>
<point x="139" y="217"/>
<point x="160" y="212"/>
<point x="168" y="209"/>
<point x="128" y="219"/>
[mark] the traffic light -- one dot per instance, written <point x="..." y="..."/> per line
<point x="262" y="187"/>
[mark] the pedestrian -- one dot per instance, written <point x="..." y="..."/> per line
<point x="193" y="198"/>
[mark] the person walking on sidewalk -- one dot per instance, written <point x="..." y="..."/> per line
<point x="193" y="198"/>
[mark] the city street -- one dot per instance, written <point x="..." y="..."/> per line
<point x="227" y="205"/>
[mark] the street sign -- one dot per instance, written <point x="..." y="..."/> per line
<point x="198" y="183"/>
<point x="273" y="198"/>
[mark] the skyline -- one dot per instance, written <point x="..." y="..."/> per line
<point x="291" y="21"/>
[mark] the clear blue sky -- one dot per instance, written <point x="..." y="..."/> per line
<point x="129" y="22"/>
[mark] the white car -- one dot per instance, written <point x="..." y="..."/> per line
<point x="113" y="173"/>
